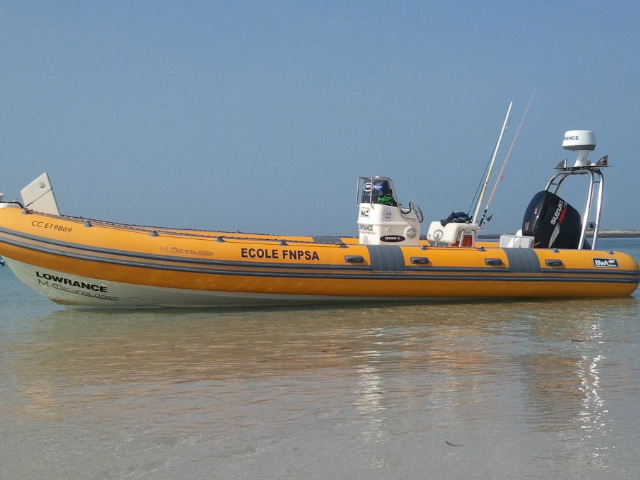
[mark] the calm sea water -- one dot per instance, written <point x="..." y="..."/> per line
<point x="519" y="389"/>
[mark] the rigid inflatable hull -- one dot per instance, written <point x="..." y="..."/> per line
<point x="73" y="261"/>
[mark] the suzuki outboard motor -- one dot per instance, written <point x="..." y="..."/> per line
<point x="552" y="222"/>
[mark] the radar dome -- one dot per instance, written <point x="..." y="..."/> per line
<point x="581" y="141"/>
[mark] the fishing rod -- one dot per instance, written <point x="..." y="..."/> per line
<point x="506" y="159"/>
<point x="493" y="159"/>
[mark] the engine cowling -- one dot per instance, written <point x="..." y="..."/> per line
<point x="552" y="222"/>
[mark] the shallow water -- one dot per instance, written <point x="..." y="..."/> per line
<point x="518" y="389"/>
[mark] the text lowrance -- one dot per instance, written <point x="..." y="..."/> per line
<point x="75" y="287"/>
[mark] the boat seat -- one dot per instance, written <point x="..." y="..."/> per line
<point x="463" y="234"/>
<point x="516" y="241"/>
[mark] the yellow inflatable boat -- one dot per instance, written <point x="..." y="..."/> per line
<point x="75" y="261"/>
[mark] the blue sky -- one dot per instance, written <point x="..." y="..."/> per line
<point x="258" y="116"/>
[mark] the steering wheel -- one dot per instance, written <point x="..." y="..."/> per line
<point x="416" y="208"/>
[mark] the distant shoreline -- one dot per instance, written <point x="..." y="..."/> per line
<point x="602" y="234"/>
<point x="618" y="233"/>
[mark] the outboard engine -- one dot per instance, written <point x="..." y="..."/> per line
<point x="549" y="221"/>
<point x="552" y="222"/>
